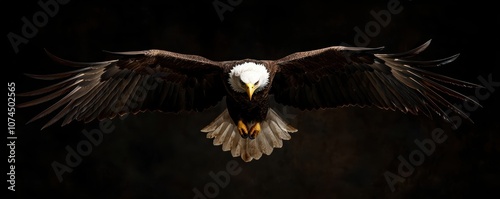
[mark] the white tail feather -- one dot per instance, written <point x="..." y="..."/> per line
<point x="273" y="131"/>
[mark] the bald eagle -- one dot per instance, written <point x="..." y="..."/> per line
<point x="337" y="76"/>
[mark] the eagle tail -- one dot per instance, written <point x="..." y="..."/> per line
<point x="273" y="131"/>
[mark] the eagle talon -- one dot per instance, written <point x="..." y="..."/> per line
<point x="242" y="129"/>
<point x="255" y="130"/>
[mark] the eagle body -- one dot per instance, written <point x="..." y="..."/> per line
<point x="331" y="77"/>
<point x="239" y="105"/>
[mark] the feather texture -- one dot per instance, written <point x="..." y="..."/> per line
<point x="224" y="132"/>
<point x="139" y="81"/>
<point x="350" y="76"/>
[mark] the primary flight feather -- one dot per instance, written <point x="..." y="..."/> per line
<point x="158" y="80"/>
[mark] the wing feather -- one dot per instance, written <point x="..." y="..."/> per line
<point x="349" y="76"/>
<point x="138" y="81"/>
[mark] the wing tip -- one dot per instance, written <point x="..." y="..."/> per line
<point x="74" y="63"/>
<point x="427" y="43"/>
<point x="454" y="57"/>
<point x="409" y="53"/>
<point x="127" y="53"/>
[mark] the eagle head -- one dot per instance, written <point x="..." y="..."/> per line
<point x="248" y="77"/>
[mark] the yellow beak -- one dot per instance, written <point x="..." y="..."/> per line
<point x="250" y="90"/>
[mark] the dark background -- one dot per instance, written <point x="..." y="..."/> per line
<point x="340" y="153"/>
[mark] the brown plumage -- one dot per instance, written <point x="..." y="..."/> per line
<point x="337" y="76"/>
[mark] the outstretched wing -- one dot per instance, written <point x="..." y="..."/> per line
<point x="152" y="80"/>
<point x="351" y="76"/>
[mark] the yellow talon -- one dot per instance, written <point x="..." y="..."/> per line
<point x="255" y="130"/>
<point x="242" y="128"/>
